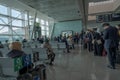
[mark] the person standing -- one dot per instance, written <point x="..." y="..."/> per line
<point x="118" y="36"/>
<point x="66" y="43"/>
<point x="76" y="38"/>
<point x="97" y="43"/>
<point x="110" y="37"/>
<point x="89" y="37"/>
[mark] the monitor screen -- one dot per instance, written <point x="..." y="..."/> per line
<point x="116" y="17"/>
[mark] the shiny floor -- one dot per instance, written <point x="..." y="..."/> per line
<point x="81" y="65"/>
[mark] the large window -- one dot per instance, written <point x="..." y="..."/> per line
<point x="3" y="20"/>
<point x="11" y="26"/>
<point x="47" y="33"/>
<point x="42" y="27"/>
<point x="17" y="38"/>
<point x="42" y="22"/>
<point x="26" y="18"/>
<point x="4" y="30"/>
<point x="47" y="23"/>
<point x="37" y="19"/>
<point x="16" y="14"/>
<point x="47" y="28"/>
<point x="16" y="22"/>
<point x="18" y="31"/>
<point x="4" y="38"/>
<point x="3" y="10"/>
<point x="43" y="33"/>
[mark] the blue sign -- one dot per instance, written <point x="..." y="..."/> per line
<point x="27" y="60"/>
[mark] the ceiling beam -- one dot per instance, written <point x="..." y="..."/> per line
<point x="83" y="6"/>
<point x="70" y="20"/>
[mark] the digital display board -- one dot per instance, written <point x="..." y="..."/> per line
<point x="108" y="17"/>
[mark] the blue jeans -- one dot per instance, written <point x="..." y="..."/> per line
<point x="111" y="52"/>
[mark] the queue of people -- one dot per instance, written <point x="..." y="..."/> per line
<point x="104" y="43"/>
<point x="111" y="37"/>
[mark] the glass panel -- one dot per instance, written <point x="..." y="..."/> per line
<point x="18" y="30"/>
<point x="4" y="38"/>
<point x="16" y="13"/>
<point x="30" y="17"/>
<point x="31" y="22"/>
<point x="3" y="20"/>
<point x="47" y="23"/>
<point x="4" y="30"/>
<point x="26" y="17"/>
<point x="43" y="27"/>
<point x="16" y="22"/>
<point x="20" y="38"/>
<point x="3" y="10"/>
<point x="37" y="19"/>
<point x="47" y="28"/>
<point x="42" y="22"/>
<point x="47" y="33"/>
<point x="43" y="33"/>
<point x="26" y="23"/>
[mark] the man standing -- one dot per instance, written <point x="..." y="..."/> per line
<point x="118" y="36"/>
<point x="110" y="37"/>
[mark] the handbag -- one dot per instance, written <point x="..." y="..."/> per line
<point x="99" y="42"/>
<point x="93" y="41"/>
<point x="86" y="40"/>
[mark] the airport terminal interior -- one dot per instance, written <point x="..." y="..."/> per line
<point x="59" y="39"/>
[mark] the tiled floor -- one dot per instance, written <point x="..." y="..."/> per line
<point x="81" y="65"/>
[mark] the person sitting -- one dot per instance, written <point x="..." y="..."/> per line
<point x="50" y="53"/>
<point x="15" y="50"/>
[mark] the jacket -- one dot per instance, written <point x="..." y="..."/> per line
<point x="110" y="36"/>
<point x="15" y="53"/>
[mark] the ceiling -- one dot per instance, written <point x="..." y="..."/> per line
<point x="61" y="10"/>
<point x="97" y="0"/>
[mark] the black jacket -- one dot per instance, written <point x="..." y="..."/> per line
<point x="15" y="53"/>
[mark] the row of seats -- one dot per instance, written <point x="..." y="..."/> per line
<point x="7" y="64"/>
